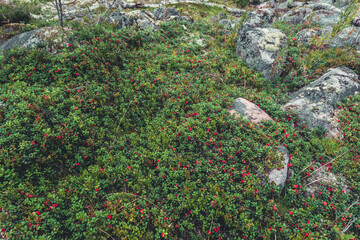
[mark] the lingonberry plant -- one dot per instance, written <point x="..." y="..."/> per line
<point x="127" y="135"/>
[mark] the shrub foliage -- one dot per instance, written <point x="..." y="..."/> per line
<point x="127" y="135"/>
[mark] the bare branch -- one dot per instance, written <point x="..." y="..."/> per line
<point x="328" y="163"/>
<point x="348" y="225"/>
<point x="314" y="181"/>
<point x="307" y="167"/>
<point x="90" y="13"/>
<point x="106" y="233"/>
<point x="357" y="200"/>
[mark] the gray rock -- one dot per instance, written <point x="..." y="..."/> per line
<point x="279" y="176"/>
<point x="227" y="24"/>
<point x="141" y="19"/>
<point x="325" y="18"/>
<point x="235" y="11"/>
<point x="124" y="21"/>
<point x="159" y="13"/>
<point x="259" y="48"/>
<point x="26" y="39"/>
<point x="180" y="18"/>
<point x="282" y="6"/>
<point x="323" y="14"/>
<point x="356" y="22"/>
<point x="324" y="1"/>
<point x="146" y="20"/>
<point x="79" y="20"/>
<point x="260" y="18"/>
<point x="305" y="35"/>
<point x="201" y="42"/>
<point x="48" y="37"/>
<point x="296" y="4"/>
<point x="349" y="37"/>
<point x="187" y="18"/>
<point x="125" y="5"/>
<point x="115" y="16"/>
<point x="320" y="176"/>
<point x="340" y="3"/>
<point x="296" y="15"/>
<point x="315" y="102"/>
<point x="194" y="40"/>
<point x="324" y="7"/>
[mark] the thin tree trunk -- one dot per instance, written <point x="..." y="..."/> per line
<point x="59" y="11"/>
<point x="61" y="14"/>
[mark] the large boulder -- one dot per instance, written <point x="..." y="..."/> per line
<point x="26" y="39"/>
<point x="248" y="109"/>
<point x="50" y="37"/>
<point x="259" y="48"/>
<point x="336" y="3"/>
<point x="296" y="15"/>
<point x="348" y="37"/>
<point x="315" y="102"/>
<point x="146" y="20"/>
<point x="324" y="7"/>
<point x="325" y="18"/>
<point x="326" y="15"/>
<point x="160" y="13"/>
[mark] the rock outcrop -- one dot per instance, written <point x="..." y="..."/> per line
<point x="26" y="39"/>
<point x="315" y="102"/>
<point x="145" y="19"/>
<point x="47" y="36"/>
<point x="259" y="48"/>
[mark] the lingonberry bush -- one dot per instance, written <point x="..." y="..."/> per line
<point x="127" y="135"/>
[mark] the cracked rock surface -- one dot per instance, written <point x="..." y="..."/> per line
<point x="315" y="102"/>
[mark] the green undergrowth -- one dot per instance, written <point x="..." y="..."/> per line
<point x="127" y="135"/>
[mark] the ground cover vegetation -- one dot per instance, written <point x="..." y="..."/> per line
<point x="126" y="134"/>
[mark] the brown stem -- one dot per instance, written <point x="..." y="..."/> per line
<point x="106" y="233"/>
